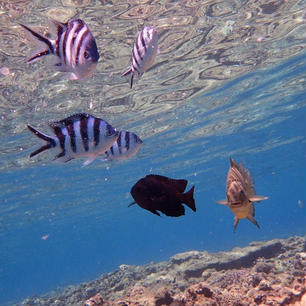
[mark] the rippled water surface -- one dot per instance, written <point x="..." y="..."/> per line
<point x="229" y="81"/>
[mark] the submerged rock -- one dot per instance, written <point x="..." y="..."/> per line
<point x="264" y="273"/>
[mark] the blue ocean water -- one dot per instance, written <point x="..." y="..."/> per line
<point x="62" y="224"/>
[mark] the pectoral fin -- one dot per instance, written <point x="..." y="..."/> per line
<point x="89" y="160"/>
<point x="257" y="198"/>
<point x="223" y="202"/>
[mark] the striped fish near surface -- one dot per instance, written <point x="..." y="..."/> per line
<point x="126" y="146"/>
<point x="80" y="135"/>
<point x="144" y="52"/>
<point x="73" y="46"/>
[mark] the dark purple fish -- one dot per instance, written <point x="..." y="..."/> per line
<point x="160" y="193"/>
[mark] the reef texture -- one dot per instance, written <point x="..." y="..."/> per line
<point x="263" y="273"/>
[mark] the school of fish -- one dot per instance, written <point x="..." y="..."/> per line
<point x="74" y="51"/>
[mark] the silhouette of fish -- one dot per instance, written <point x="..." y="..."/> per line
<point x="159" y="193"/>
<point x="240" y="193"/>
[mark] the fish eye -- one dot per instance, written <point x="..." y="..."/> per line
<point x="86" y="55"/>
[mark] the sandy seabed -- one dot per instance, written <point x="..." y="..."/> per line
<point x="263" y="273"/>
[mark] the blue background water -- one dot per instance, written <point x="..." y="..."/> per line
<point x="258" y="119"/>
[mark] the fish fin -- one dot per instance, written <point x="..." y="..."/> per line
<point x="223" y="202"/>
<point x="253" y="220"/>
<point x="73" y="76"/>
<point x="155" y="212"/>
<point x="127" y="72"/>
<point x="44" y="44"/>
<point x="233" y="163"/>
<point x="257" y="198"/>
<point x="50" y="141"/>
<point x="189" y="200"/>
<point x="131" y="204"/>
<point x="89" y="160"/>
<point x="56" y="26"/>
<point x="131" y="80"/>
<point x="236" y="221"/>
<point x="130" y="71"/>
<point x="62" y="158"/>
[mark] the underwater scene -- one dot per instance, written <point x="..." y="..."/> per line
<point x="152" y="153"/>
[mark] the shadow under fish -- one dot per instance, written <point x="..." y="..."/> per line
<point x="240" y="193"/>
<point x="159" y="193"/>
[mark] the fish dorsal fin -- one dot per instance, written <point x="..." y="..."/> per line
<point x="56" y="28"/>
<point x="69" y="120"/>
<point x="179" y="185"/>
<point x="239" y="173"/>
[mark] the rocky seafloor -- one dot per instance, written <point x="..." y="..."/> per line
<point x="263" y="273"/>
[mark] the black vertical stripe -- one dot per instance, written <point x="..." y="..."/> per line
<point x="78" y="47"/>
<point x="119" y="143"/>
<point x="136" y="139"/>
<point x="109" y="130"/>
<point x="75" y="34"/>
<point x="127" y="140"/>
<point x="63" y="38"/>
<point x="143" y="41"/>
<point x="71" y="133"/>
<point x="96" y="131"/>
<point x="60" y="30"/>
<point x="84" y="132"/>
<point x="112" y="150"/>
<point x="135" y="59"/>
<point x="138" y="50"/>
<point x="61" y="137"/>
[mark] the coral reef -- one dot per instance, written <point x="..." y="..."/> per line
<point x="263" y="273"/>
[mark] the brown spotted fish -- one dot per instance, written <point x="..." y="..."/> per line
<point x="240" y="193"/>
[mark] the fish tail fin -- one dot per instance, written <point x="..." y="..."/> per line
<point x="189" y="200"/>
<point x="43" y="43"/>
<point x="130" y="71"/>
<point x="50" y="141"/>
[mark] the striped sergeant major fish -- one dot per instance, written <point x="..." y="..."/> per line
<point x="144" y="52"/>
<point x="80" y="135"/>
<point x="126" y="146"/>
<point x="73" y="46"/>
<point x="240" y="193"/>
